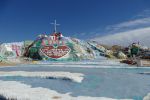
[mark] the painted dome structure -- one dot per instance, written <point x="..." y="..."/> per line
<point x="56" y="47"/>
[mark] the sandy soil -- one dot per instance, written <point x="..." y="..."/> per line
<point x="7" y="64"/>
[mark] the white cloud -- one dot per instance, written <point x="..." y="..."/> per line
<point x="144" y="13"/>
<point x="141" y="35"/>
<point x="140" y="20"/>
<point x="129" y="24"/>
<point x="125" y="33"/>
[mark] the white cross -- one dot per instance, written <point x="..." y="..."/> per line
<point x="55" y="26"/>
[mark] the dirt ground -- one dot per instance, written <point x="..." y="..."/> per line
<point x="6" y="64"/>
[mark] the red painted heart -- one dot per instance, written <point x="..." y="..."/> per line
<point x="58" y="52"/>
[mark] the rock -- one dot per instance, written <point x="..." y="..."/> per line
<point x="121" y="55"/>
<point x="11" y="50"/>
<point x="147" y="97"/>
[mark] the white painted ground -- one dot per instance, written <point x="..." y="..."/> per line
<point x="147" y="97"/>
<point x="20" y="91"/>
<point x="76" y="77"/>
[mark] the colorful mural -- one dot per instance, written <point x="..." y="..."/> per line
<point x="55" y="52"/>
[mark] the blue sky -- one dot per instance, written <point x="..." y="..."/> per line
<point x="25" y="19"/>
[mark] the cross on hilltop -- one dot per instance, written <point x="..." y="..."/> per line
<point x="55" y="26"/>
